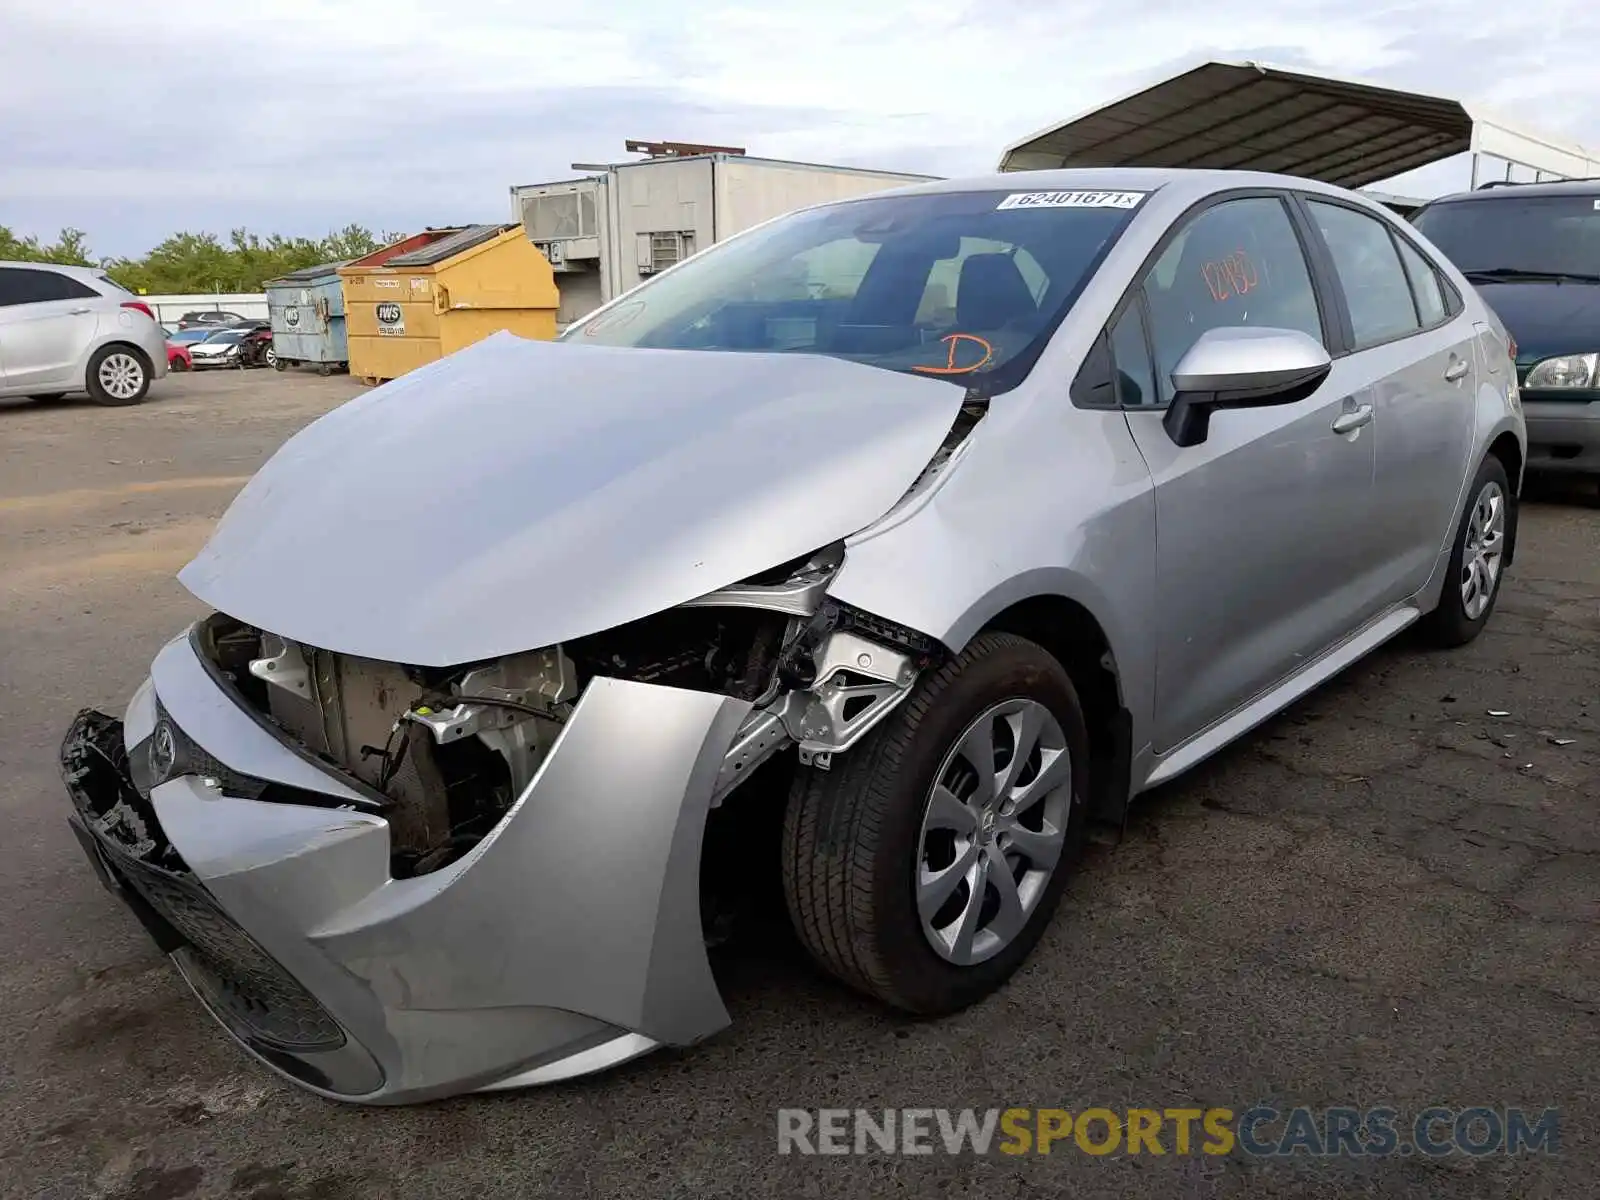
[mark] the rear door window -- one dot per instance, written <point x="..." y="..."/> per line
<point x="1376" y="289"/>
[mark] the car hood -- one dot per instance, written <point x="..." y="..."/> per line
<point x="518" y="493"/>
<point x="1547" y="318"/>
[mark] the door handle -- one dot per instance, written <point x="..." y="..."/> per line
<point x="1456" y="369"/>
<point x="1347" y="422"/>
<point x="78" y="312"/>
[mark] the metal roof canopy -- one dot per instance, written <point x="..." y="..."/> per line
<point x="1254" y="117"/>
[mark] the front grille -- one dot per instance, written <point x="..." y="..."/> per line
<point x="240" y="979"/>
<point x="191" y="758"/>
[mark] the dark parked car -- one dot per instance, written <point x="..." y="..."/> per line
<point x="1533" y="252"/>
<point x="216" y="320"/>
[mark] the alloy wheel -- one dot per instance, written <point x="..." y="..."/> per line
<point x="1483" y="551"/>
<point x="993" y="830"/>
<point x="121" y="375"/>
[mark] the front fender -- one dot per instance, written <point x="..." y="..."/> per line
<point x="1046" y="501"/>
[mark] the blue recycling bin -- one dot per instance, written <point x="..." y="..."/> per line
<point x="306" y="308"/>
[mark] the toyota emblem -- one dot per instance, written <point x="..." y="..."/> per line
<point x="163" y="753"/>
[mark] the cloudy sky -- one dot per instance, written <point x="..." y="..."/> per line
<point x="134" y="118"/>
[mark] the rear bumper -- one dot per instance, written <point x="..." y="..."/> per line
<point x="568" y="940"/>
<point x="1563" y="436"/>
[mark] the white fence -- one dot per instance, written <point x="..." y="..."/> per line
<point x="169" y="310"/>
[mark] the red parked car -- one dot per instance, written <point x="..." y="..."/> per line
<point x="178" y="357"/>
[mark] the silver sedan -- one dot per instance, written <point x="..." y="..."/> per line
<point x="965" y="512"/>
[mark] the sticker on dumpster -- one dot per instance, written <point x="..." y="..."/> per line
<point x="391" y="319"/>
<point x="385" y="283"/>
<point x="305" y="295"/>
<point x="419" y="285"/>
<point x="291" y="316"/>
<point x="1071" y="200"/>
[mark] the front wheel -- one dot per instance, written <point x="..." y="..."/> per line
<point x="117" y="375"/>
<point x="271" y="358"/>
<point x="923" y="868"/>
<point x="1477" y="558"/>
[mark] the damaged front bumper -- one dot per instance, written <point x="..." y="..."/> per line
<point x="567" y="940"/>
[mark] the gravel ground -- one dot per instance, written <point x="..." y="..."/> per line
<point x="1385" y="896"/>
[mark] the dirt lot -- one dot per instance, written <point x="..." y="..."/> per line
<point x="1384" y="896"/>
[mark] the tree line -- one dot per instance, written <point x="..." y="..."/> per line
<point x="190" y="263"/>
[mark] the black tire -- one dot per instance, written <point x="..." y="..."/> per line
<point x="48" y="397"/>
<point x="851" y="837"/>
<point x="97" y="391"/>
<point x="280" y="364"/>
<point x="1448" y="625"/>
<point x="324" y="370"/>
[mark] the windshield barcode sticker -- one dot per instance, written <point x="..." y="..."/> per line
<point x="1071" y="200"/>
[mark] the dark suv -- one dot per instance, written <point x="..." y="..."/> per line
<point x="206" y="320"/>
<point x="1533" y="252"/>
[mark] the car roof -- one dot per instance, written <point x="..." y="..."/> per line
<point x="85" y="273"/>
<point x="1512" y="191"/>
<point x="1133" y="179"/>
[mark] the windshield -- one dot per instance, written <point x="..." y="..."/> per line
<point x="962" y="285"/>
<point x="1538" y="235"/>
<point x="226" y="335"/>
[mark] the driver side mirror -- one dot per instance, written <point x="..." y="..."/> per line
<point x="1238" y="366"/>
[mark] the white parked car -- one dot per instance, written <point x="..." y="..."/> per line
<point x="71" y="329"/>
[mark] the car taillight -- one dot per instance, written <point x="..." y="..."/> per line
<point x="139" y="306"/>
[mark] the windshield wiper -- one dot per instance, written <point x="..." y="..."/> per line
<point x="1501" y="274"/>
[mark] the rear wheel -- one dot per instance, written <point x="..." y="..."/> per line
<point x="1483" y="539"/>
<point x="923" y="868"/>
<point x="271" y="358"/>
<point x="117" y="375"/>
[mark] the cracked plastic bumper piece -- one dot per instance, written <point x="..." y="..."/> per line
<point x="565" y="942"/>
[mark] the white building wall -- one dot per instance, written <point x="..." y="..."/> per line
<point x="750" y="191"/>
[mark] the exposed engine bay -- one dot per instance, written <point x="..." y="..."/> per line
<point x="443" y="753"/>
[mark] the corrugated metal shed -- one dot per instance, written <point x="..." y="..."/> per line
<point x="447" y="247"/>
<point x="1250" y="116"/>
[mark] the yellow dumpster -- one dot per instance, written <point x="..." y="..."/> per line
<point x="440" y="290"/>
